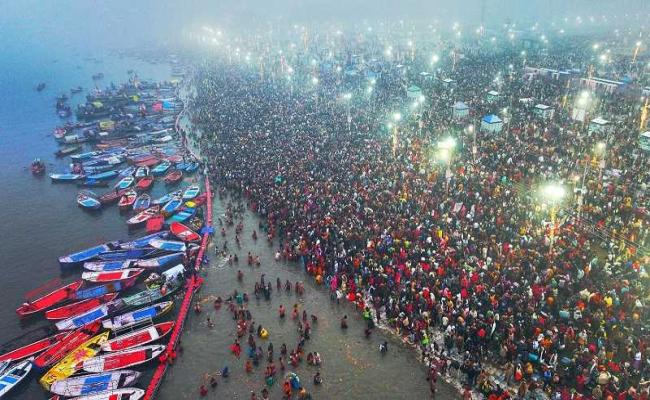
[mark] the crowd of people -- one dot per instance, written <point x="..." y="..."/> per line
<point x="461" y="256"/>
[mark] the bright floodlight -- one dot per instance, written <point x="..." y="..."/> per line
<point x="397" y="116"/>
<point x="347" y="96"/>
<point x="314" y="81"/>
<point x="447" y="143"/>
<point x="600" y="147"/>
<point x="553" y="192"/>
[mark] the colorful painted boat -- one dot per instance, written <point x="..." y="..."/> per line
<point x="13" y="375"/>
<point x="112" y="197"/>
<point x="171" y="206"/>
<point x="122" y="359"/>
<point x="183" y="232"/>
<point x="155" y="224"/>
<point x="70" y="363"/>
<point x="66" y="177"/>
<point x="76" y="308"/>
<point x="100" y="290"/>
<point x="129" y="393"/>
<point x="144" y="183"/>
<point x="85" y="199"/>
<point x="126" y="182"/>
<point x="161" y="168"/>
<point x="90" y="316"/>
<point x="143" y="241"/>
<point x="111" y="276"/>
<point x="94" y="383"/>
<point x="167" y="245"/>
<point x="108" y="175"/>
<point x="99" y="266"/>
<point x="166" y="198"/>
<point x="143" y="216"/>
<point x="128" y="171"/>
<point x="173" y="177"/>
<point x="141" y="172"/>
<point x="191" y="167"/>
<point x="142" y="202"/>
<point x="128" y="254"/>
<point x="85" y="156"/>
<point x="86" y="255"/>
<point x="182" y="215"/>
<point x="133" y="317"/>
<point x="191" y="192"/>
<point x="59" y="295"/>
<point x="161" y="261"/>
<point x="32" y="348"/>
<point x="68" y="343"/>
<point x="139" y="337"/>
<point x="127" y="200"/>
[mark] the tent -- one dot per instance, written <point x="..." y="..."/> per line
<point x="413" y="92"/>
<point x="448" y="83"/>
<point x="599" y="125"/>
<point x="543" y="111"/>
<point x="491" y="123"/>
<point x="460" y="110"/>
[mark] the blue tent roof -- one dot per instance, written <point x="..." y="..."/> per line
<point x="492" y="119"/>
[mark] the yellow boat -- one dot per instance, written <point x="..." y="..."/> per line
<point x="68" y="365"/>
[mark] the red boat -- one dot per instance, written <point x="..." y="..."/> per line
<point x="147" y="162"/>
<point x="155" y="224"/>
<point x="122" y="359"/>
<point x="139" y="338"/>
<point x="31" y="349"/>
<point x="61" y="294"/>
<point x="111" y="276"/>
<point x="111" y="197"/>
<point x="144" y="183"/>
<point x="183" y="232"/>
<point x="173" y="177"/>
<point x="78" y="307"/>
<point x="71" y="341"/>
<point x="127" y="200"/>
<point x="200" y="199"/>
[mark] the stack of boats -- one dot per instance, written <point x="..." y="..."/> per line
<point x="103" y="327"/>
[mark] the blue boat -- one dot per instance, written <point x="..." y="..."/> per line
<point x="85" y="156"/>
<point x="161" y="261"/>
<point x="104" y="175"/>
<point x="161" y="168"/>
<point x="91" y="315"/>
<point x="65" y="177"/>
<point x="130" y="318"/>
<point x="191" y="192"/>
<point x="191" y="167"/>
<point x="100" y="290"/>
<point x="88" y="254"/>
<point x="167" y="245"/>
<point x="129" y="171"/>
<point x="181" y="166"/>
<point x="88" y="200"/>
<point x="97" y="169"/>
<point x="171" y="206"/>
<point x="125" y="183"/>
<point x="103" y="266"/>
<point x="143" y="241"/>
<point x="166" y="198"/>
<point x="182" y="215"/>
<point x="141" y="172"/>
<point x="142" y="202"/>
<point x="123" y="255"/>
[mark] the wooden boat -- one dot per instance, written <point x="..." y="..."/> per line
<point x="142" y="202"/>
<point x="110" y="276"/>
<point x="92" y="183"/>
<point x="85" y="255"/>
<point x="143" y="216"/>
<point x="90" y="316"/>
<point x="167" y="245"/>
<point x="147" y="162"/>
<point x="128" y="171"/>
<point x="37" y="167"/>
<point x="71" y="362"/>
<point x="100" y="290"/>
<point x="59" y="295"/>
<point x="197" y="201"/>
<point x="133" y="317"/>
<point x="161" y="168"/>
<point x="94" y="383"/>
<point x="107" y="175"/>
<point x="85" y="199"/>
<point x="69" y="342"/>
<point x="139" y="337"/>
<point x="166" y="198"/>
<point x="126" y="254"/>
<point x="150" y="295"/>
<point x="155" y="224"/>
<point x="78" y="307"/>
<point x="13" y="375"/>
<point x="183" y="232"/>
<point x="32" y="348"/>
<point x="173" y="177"/>
<point x="66" y="177"/>
<point x="143" y="241"/>
<point x="191" y="167"/>
<point x="122" y="359"/>
<point x="86" y="156"/>
<point x="129" y="393"/>
<point x="127" y="200"/>
<point x="66" y="151"/>
<point x="125" y="183"/>
<point x="144" y="183"/>
<point x="141" y="172"/>
<point x="99" y="266"/>
<point x="182" y="215"/>
<point x="171" y="206"/>
<point x="161" y="261"/>
<point x="191" y="192"/>
<point x="112" y="197"/>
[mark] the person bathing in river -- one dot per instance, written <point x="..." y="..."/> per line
<point x="281" y="311"/>
<point x="294" y="312"/>
<point x="344" y="322"/>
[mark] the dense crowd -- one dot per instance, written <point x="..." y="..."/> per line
<point x="464" y="249"/>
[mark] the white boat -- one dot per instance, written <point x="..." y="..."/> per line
<point x="130" y="318"/>
<point x="13" y="375"/>
<point x="122" y="359"/>
<point x="191" y="192"/>
<point x="94" y="383"/>
<point x="117" y="394"/>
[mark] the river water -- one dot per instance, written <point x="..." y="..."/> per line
<point x="41" y="221"/>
